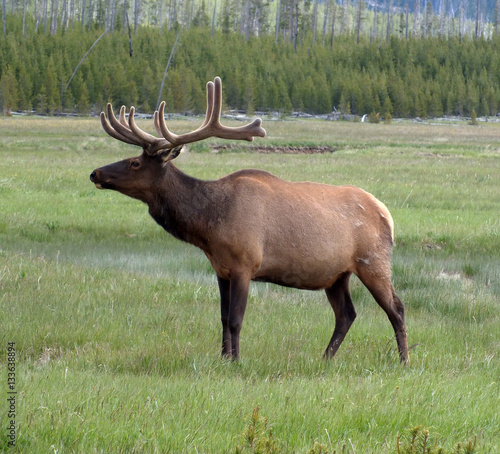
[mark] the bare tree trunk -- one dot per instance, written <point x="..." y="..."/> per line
<point x="425" y="19"/>
<point x="375" y="22"/>
<point x="325" y="21"/>
<point x="187" y="13"/>
<point x="45" y="18"/>
<point x="168" y="65"/>
<point x="91" y="14"/>
<point x="296" y="26"/>
<point x="84" y="57"/>
<point x="83" y="13"/>
<point x="443" y="17"/>
<point x="64" y="15"/>
<point x="334" y="17"/>
<point x="291" y="22"/>
<point x="244" y="18"/>
<point x="261" y="18"/>
<point x="160" y="15"/>
<point x="416" y="19"/>
<point x="4" y="17"/>
<point x="314" y="21"/>
<point x="476" y="32"/>
<point x="407" y="13"/>
<point x="137" y="10"/>
<point x="107" y="14"/>
<point x="172" y="14"/>
<point x="54" y="12"/>
<point x="497" y="16"/>
<point x="109" y="20"/>
<point x="124" y="18"/>
<point x="389" y="20"/>
<point x="359" y="18"/>
<point x="24" y="17"/>
<point x="213" y="19"/>
<point x="277" y="29"/>
<point x="343" y="16"/>
<point x="113" y="15"/>
<point x="130" y="49"/>
<point x="37" y="15"/>
<point x="72" y="12"/>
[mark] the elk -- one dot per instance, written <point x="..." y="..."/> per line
<point x="254" y="226"/>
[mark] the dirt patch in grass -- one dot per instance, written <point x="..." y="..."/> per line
<point x="278" y="149"/>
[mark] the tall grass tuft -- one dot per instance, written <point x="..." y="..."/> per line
<point x="419" y="441"/>
<point x="258" y="437"/>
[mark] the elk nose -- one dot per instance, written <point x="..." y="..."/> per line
<point x="92" y="175"/>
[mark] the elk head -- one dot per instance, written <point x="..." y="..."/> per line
<point x="135" y="177"/>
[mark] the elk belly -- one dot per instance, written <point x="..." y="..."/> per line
<point x="308" y="274"/>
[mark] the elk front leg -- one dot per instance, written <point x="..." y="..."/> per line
<point x="340" y="300"/>
<point x="224" y="286"/>
<point x="238" y="302"/>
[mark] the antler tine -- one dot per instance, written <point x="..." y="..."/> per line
<point x="154" y="143"/>
<point x="246" y="132"/>
<point x="216" y="102"/>
<point x="211" y="126"/>
<point x="161" y="126"/>
<point x="122" y="117"/>
<point x="129" y="132"/>
<point x="112" y="132"/>
<point x="203" y="131"/>
<point x="210" y="104"/>
<point x="121" y="129"/>
<point x="156" y="120"/>
<point x="174" y="139"/>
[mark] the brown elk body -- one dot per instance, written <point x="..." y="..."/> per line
<point x="253" y="225"/>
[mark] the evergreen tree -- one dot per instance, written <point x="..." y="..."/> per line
<point x="284" y="104"/>
<point x="8" y="92"/>
<point x="51" y="89"/>
<point x="473" y="118"/>
<point x="24" y="88"/>
<point x="83" y="103"/>
<point x="249" y="94"/>
<point x="323" y="99"/>
<point x="201" y="18"/>
<point x="225" y="20"/>
<point x="387" y="106"/>
<point x="472" y="98"/>
<point x="344" y="104"/>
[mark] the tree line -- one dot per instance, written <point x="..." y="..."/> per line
<point x="290" y="19"/>
<point x="404" y="77"/>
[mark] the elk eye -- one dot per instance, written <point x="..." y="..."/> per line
<point x="135" y="164"/>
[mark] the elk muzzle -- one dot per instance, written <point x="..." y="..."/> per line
<point x="95" y="178"/>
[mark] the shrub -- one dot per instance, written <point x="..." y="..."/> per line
<point x="473" y="118"/>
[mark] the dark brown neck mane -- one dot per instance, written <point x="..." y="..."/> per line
<point x="185" y="207"/>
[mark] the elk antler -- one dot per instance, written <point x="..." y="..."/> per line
<point x="211" y="127"/>
<point x="131" y="133"/>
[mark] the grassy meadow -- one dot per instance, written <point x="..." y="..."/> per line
<point x="117" y="327"/>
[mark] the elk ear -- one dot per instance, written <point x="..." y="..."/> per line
<point x="168" y="155"/>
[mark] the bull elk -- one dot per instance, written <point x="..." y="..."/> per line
<point x="254" y="226"/>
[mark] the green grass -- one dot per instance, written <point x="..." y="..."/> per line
<point x="117" y="325"/>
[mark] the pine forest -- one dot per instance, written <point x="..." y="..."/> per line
<point x="406" y="59"/>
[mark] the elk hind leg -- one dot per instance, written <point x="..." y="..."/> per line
<point x="340" y="300"/>
<point x="224" y="286"/>
<point x="238" y="291"/>
<point x="380" y="286"/>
